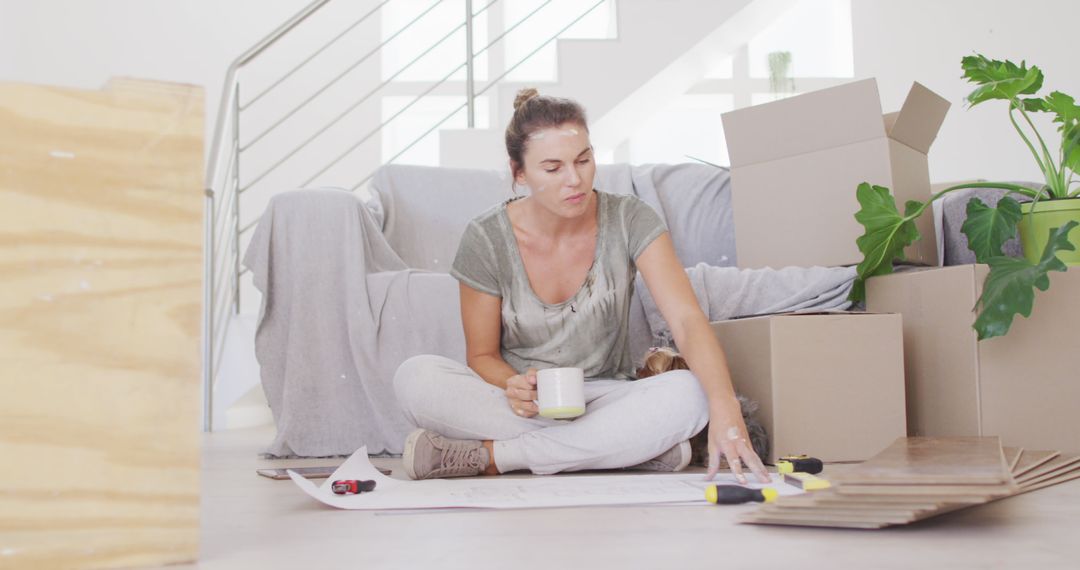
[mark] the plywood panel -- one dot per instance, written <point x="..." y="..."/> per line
<point x="1033" y="459"/>
<point x="913" y="479"/>
<point x="100" y="258"/>
<point x="943" y="461"/>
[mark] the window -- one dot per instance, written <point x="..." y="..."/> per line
<point x="808" y="47"/>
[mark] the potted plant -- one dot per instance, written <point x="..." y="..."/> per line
<point x="1044" y="221"/>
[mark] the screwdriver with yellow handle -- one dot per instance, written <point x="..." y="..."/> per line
<point x="734" y="495"/>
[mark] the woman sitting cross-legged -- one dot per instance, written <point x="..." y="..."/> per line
<point x="546" y="281"/>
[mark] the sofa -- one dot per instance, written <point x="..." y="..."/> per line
<point x="353" y="287"/>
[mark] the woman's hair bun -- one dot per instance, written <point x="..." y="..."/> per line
<point x="524" y="95"/>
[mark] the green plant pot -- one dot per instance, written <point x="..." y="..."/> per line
<point x="1035" y="228"/>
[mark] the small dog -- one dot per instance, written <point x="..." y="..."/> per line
<point x="662" y="359"/>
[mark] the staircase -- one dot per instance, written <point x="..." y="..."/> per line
<point x="619" y="81"/>
<point x="257" y="152"/>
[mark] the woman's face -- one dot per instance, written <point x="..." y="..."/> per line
<point x="559" y="169"/>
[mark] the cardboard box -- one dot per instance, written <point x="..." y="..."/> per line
<point x="796" y="163"/>
<point x="830" y="385"/>
<point x="1024" y="386"/>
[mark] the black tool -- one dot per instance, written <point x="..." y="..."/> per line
<point x="799" y="464"/>
<point x="734" y="494"/>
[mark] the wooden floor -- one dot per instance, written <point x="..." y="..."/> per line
<point x="253" y="522"/>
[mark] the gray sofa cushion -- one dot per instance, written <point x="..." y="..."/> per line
<point x="424" y="210"/>
<point x="695" y="200"/>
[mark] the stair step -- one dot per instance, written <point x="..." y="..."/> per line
<point x="616" y="101"/>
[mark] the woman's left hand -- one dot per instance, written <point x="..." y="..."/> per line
<point x="728" y="435"/>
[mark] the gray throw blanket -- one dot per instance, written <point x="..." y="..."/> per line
<point x="728" y="293"/>
<point x="339" y="313"/>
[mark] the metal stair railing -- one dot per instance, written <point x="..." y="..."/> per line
<point x="490" y="84"/>
<point x="217" y="195"/>
<point x="351" y="107"/>
<point x="222" y="234"/>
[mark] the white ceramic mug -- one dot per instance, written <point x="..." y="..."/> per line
<point x="560" y="392"/>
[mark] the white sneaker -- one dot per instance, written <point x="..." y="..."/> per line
<point x="429" y="455"/>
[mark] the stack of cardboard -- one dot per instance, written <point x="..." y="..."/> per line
<point x="829" y="385"/>
<point x="795" y="165"/>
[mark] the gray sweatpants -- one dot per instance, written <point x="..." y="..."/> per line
<point x="625" y="423"/>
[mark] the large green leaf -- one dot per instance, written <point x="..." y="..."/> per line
<point x="1064" y="108"/>
<point x="987" y="229"/>
<point x="1033" y="105"/>
<point x="1010" y="287"/>
<point x="999" y="79"/>
<point x="1067" y="115"/>
<point x="887" y="234"/>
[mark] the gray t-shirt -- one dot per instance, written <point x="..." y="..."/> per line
<point x="590" y="329"/>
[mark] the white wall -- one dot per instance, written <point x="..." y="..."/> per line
<point x="81" y="43"/>
<point x="924" y="40"/>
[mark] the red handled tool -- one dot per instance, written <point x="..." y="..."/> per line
<point x="352" y="486"/>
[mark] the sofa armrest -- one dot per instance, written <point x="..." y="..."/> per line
<point x="310" y="256"/>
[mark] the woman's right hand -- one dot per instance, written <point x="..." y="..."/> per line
<point x="521" y="393"/>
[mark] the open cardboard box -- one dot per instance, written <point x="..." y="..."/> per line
<point x="830" y="385"/>
<point x="1024" y="386"/>
<point x="796" y="163"/>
